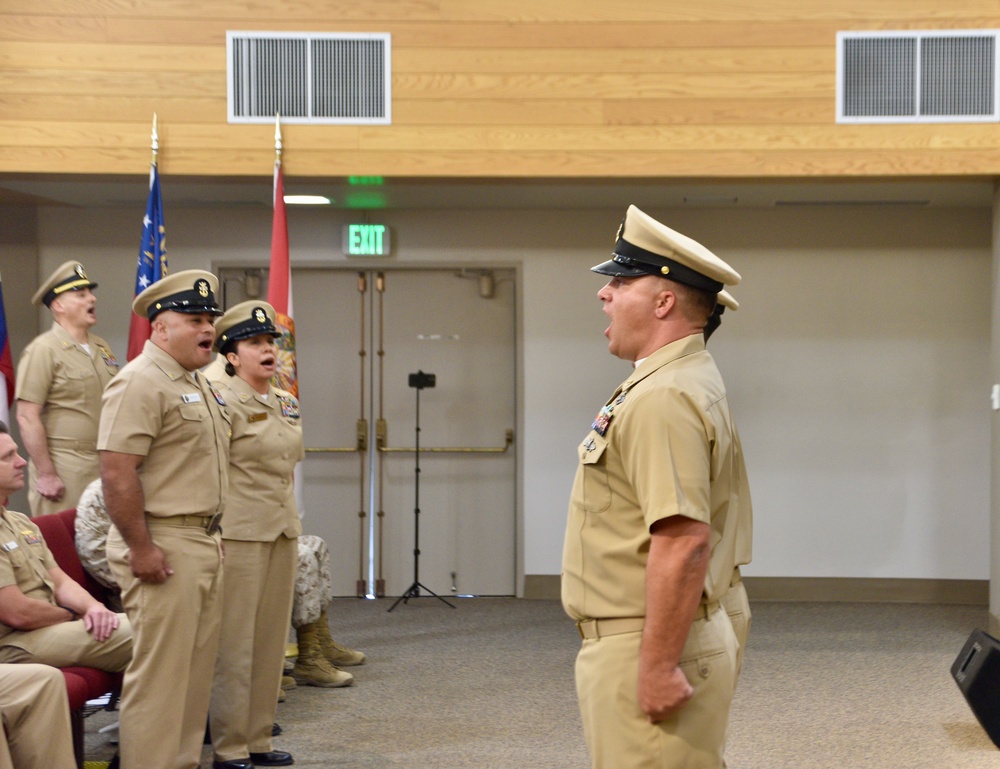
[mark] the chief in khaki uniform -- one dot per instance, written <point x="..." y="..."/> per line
<point x="164" y="443"/>
<point x="60" y="378"/>
<point x="34" y="709"/>
<point x="261" y="532"/>
<point x="651" y="538"/>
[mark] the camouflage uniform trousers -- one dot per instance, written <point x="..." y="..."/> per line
<point x="313" y="583"/>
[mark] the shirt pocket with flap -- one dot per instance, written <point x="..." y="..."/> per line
<point x="595" y="488"/>
<point x="196" y="427"/>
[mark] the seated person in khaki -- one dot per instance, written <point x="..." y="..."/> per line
<point x="45" y="616"/>
<point x="34" y="710"/>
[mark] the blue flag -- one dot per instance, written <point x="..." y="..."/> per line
<point x="152" y="260"/>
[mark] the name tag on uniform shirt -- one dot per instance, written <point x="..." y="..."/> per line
<point x="8" y="546"/>
<point x="191" y="397"/>
<point x="257" y="417"/>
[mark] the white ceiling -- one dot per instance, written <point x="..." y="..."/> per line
<point x="86" y="192"/>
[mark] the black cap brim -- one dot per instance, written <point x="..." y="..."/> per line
<point x="188" y="309"/>
<point x="225" y="340"/>
<point x="616" y="270"/>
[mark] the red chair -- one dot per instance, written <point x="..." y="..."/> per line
<point x="82" y="683"/>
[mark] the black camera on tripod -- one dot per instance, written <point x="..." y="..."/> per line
<point x="422" y="381"/>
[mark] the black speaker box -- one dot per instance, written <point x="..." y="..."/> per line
<point x="976" y="670"/>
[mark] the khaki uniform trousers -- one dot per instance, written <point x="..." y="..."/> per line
<point x="617" y="732"/>
<point x="255" y="615"/>
<point x="167" y="686"/>
<point x="737" y="606"/>
<point x="76" y="467"/>
<point x="35" y="713"/>
<point x="69" y="643"/>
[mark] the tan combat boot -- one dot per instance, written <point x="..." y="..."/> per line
<point x="311" y="667"/>
<point x="333" y="651"/>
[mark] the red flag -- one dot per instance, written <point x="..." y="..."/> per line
<point x="6" y="368"/>
<point x="279" y="289"/>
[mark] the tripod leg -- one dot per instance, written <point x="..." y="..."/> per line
<point x="412" y="591"/>
<point x="418" y="584"/>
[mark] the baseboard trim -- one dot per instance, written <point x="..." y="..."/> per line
<point x="970" y="592"/>
<point x="543" y="586"/>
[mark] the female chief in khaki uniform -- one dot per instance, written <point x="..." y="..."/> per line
<point x="260" y="528"/>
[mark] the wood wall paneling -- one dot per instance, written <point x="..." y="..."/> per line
<point x="99" y="57"/>
<point x="502" y="88"/>
<point x="616" y="35"/>
<point x="530" y="11"/>
<point x="183" y="161"/>
<point x="124" y="108"/>
<point x="628" y="60"/>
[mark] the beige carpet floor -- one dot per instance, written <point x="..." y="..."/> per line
<point x="489" y="684"/>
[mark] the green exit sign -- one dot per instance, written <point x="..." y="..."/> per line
<point x="367" y="240"/>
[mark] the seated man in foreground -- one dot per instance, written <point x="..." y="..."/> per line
<point x="34" y="710"/>
<point x="45" y="616"/>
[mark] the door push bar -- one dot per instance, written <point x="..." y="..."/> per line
<point x="380" y="438"/>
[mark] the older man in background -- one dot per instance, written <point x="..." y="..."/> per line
<point x="60" y="378"/>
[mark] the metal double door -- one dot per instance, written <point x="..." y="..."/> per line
<point x="444" y="516"/>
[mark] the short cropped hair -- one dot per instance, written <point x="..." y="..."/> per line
<point x="696" y="304"/>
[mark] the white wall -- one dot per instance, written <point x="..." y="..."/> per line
<point x="858" y="366"/>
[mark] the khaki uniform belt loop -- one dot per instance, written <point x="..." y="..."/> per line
<point x="598" y="628"/>
<point x="210" y="523"/>
<point x="705" y="610"/>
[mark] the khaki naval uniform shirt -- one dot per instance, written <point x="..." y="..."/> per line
<point x="157" y="410"/>
<point x="25" y="560"/>
<point x="266" y="445"/>
<point x="663" y="445"/>
<point x="58" y="374"/>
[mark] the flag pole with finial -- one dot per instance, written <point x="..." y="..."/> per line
<point x="279" y="283"/>
<point x="277" y="137"/>
<point x="155" y="140"/>
<point x="279" y="296"/>
<point x="152" y="262"/>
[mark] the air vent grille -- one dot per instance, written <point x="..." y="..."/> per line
<point x="932" y="76"/>
<point x="309" y="78"/>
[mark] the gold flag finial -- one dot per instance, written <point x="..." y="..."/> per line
<point x="277" y="135"/>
